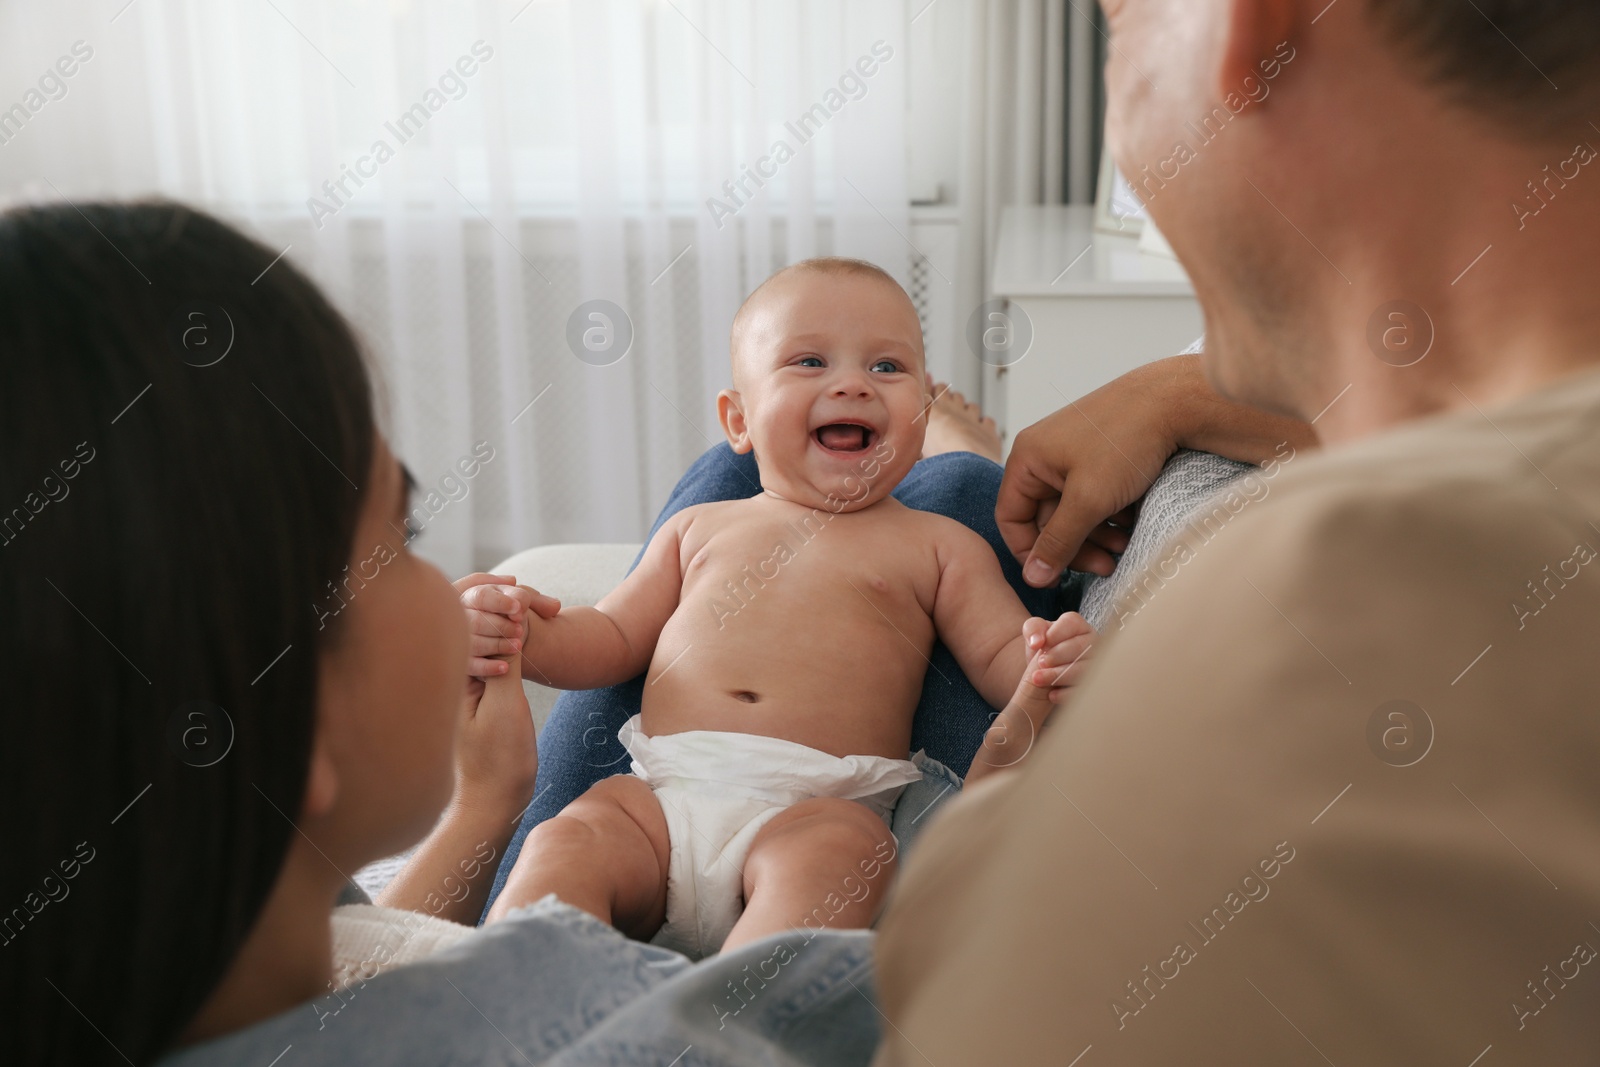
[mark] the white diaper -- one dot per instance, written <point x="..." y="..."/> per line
<point x="717" y="790"/>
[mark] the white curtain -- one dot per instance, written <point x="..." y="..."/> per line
<point x="467" y="178"/>
<point x="1028" y="127"/>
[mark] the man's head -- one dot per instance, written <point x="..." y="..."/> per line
<point x="828" y="383"/>
<point x="1312" y="161"/>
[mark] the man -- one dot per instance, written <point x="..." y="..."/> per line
<point x="1332" y="791"/>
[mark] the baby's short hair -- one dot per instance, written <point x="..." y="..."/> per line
<point x="834" y="265"/>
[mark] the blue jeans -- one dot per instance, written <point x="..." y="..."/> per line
<point x="579" y="745"/>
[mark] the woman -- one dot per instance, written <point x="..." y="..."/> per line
<point x="230" y="684"/>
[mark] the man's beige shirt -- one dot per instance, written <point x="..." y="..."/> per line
<point x="1330" y="795"/>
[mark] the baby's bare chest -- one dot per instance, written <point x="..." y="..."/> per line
<point x="815" y="557"/>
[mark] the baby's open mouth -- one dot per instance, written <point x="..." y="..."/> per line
<point x="845" y="437"/>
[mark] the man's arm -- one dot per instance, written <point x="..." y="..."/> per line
<point x="586" y="648"/>
<point x="1068" y="473"/>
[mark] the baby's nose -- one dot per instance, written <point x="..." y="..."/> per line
<point x="853" y="384"/>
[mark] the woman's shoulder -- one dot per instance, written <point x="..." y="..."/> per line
<point x="410" y="989"/>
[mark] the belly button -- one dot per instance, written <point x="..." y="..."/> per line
<point x="746" y="696"/>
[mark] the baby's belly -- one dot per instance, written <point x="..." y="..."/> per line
<point x="842" y="688"/>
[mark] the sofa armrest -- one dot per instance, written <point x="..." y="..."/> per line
<point x="575" y="575"/>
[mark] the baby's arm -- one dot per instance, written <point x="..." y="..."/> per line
<point x="977" y="614"/>
<point x="583" y="647"/>
<point x="981" y="621"/>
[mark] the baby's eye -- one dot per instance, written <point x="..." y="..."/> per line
<point x="809" y="361"/>
<point x="886" y="366"/>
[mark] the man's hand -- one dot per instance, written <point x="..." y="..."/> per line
<point x="496" y="606"/>
<point x="1073" y="480"/>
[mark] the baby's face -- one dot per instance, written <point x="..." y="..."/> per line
<point x="828" y="389"/>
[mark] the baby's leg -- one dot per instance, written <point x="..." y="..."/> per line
<point x="825" y="860"/>
<point x="606" y="853"/>
<point x="579" y="743"/>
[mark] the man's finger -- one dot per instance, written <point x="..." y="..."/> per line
<point x="1113" y="539"/>
<point x="1017" y="510"/>
<point x="1059" y="540"/>
<point x="1092" y="559"/>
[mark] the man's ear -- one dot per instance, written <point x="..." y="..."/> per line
<point x="731" y="414"/>
<point x="1256" y="29"/>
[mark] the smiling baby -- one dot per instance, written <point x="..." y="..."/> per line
<point x="786" y="637"/>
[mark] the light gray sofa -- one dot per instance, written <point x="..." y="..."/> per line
<point x="573" y="574"/>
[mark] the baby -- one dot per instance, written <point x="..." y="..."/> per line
<point x="786" y="638"/>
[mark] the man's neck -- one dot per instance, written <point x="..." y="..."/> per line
<point x="1437" y="257"/>
<point x="1523" y="326"/>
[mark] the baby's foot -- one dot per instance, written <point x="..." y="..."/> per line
<point x="956" y="424"/>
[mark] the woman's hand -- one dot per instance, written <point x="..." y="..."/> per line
<point x="497" y="759"/>
<point x="497" y="753"/>
<point x="1073" y="480"/>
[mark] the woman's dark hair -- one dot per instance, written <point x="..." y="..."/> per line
<point x="188" y="430"/>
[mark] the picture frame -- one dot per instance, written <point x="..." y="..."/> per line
<point x="1117" y="208"/>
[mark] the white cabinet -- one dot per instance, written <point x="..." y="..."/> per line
<point x="1097" y="306"/>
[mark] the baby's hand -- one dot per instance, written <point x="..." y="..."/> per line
<point x="1057" y="651"/>
<point x="496" y="608"/>
<point x="1065" y="646"/>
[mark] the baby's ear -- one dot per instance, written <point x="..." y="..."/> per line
<point x="730" y="412"/>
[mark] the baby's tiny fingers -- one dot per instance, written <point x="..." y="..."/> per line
<point x="1069" y="625"/>
<point x="1035" y="632"/>
<point x="493" y="624"/>
<point x="489" y="598"/>
<point x="480" y="579"/>
<point x="1070" y="651"/>
<point x="1060" y="677"/>
<point x="546" y="607"/>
